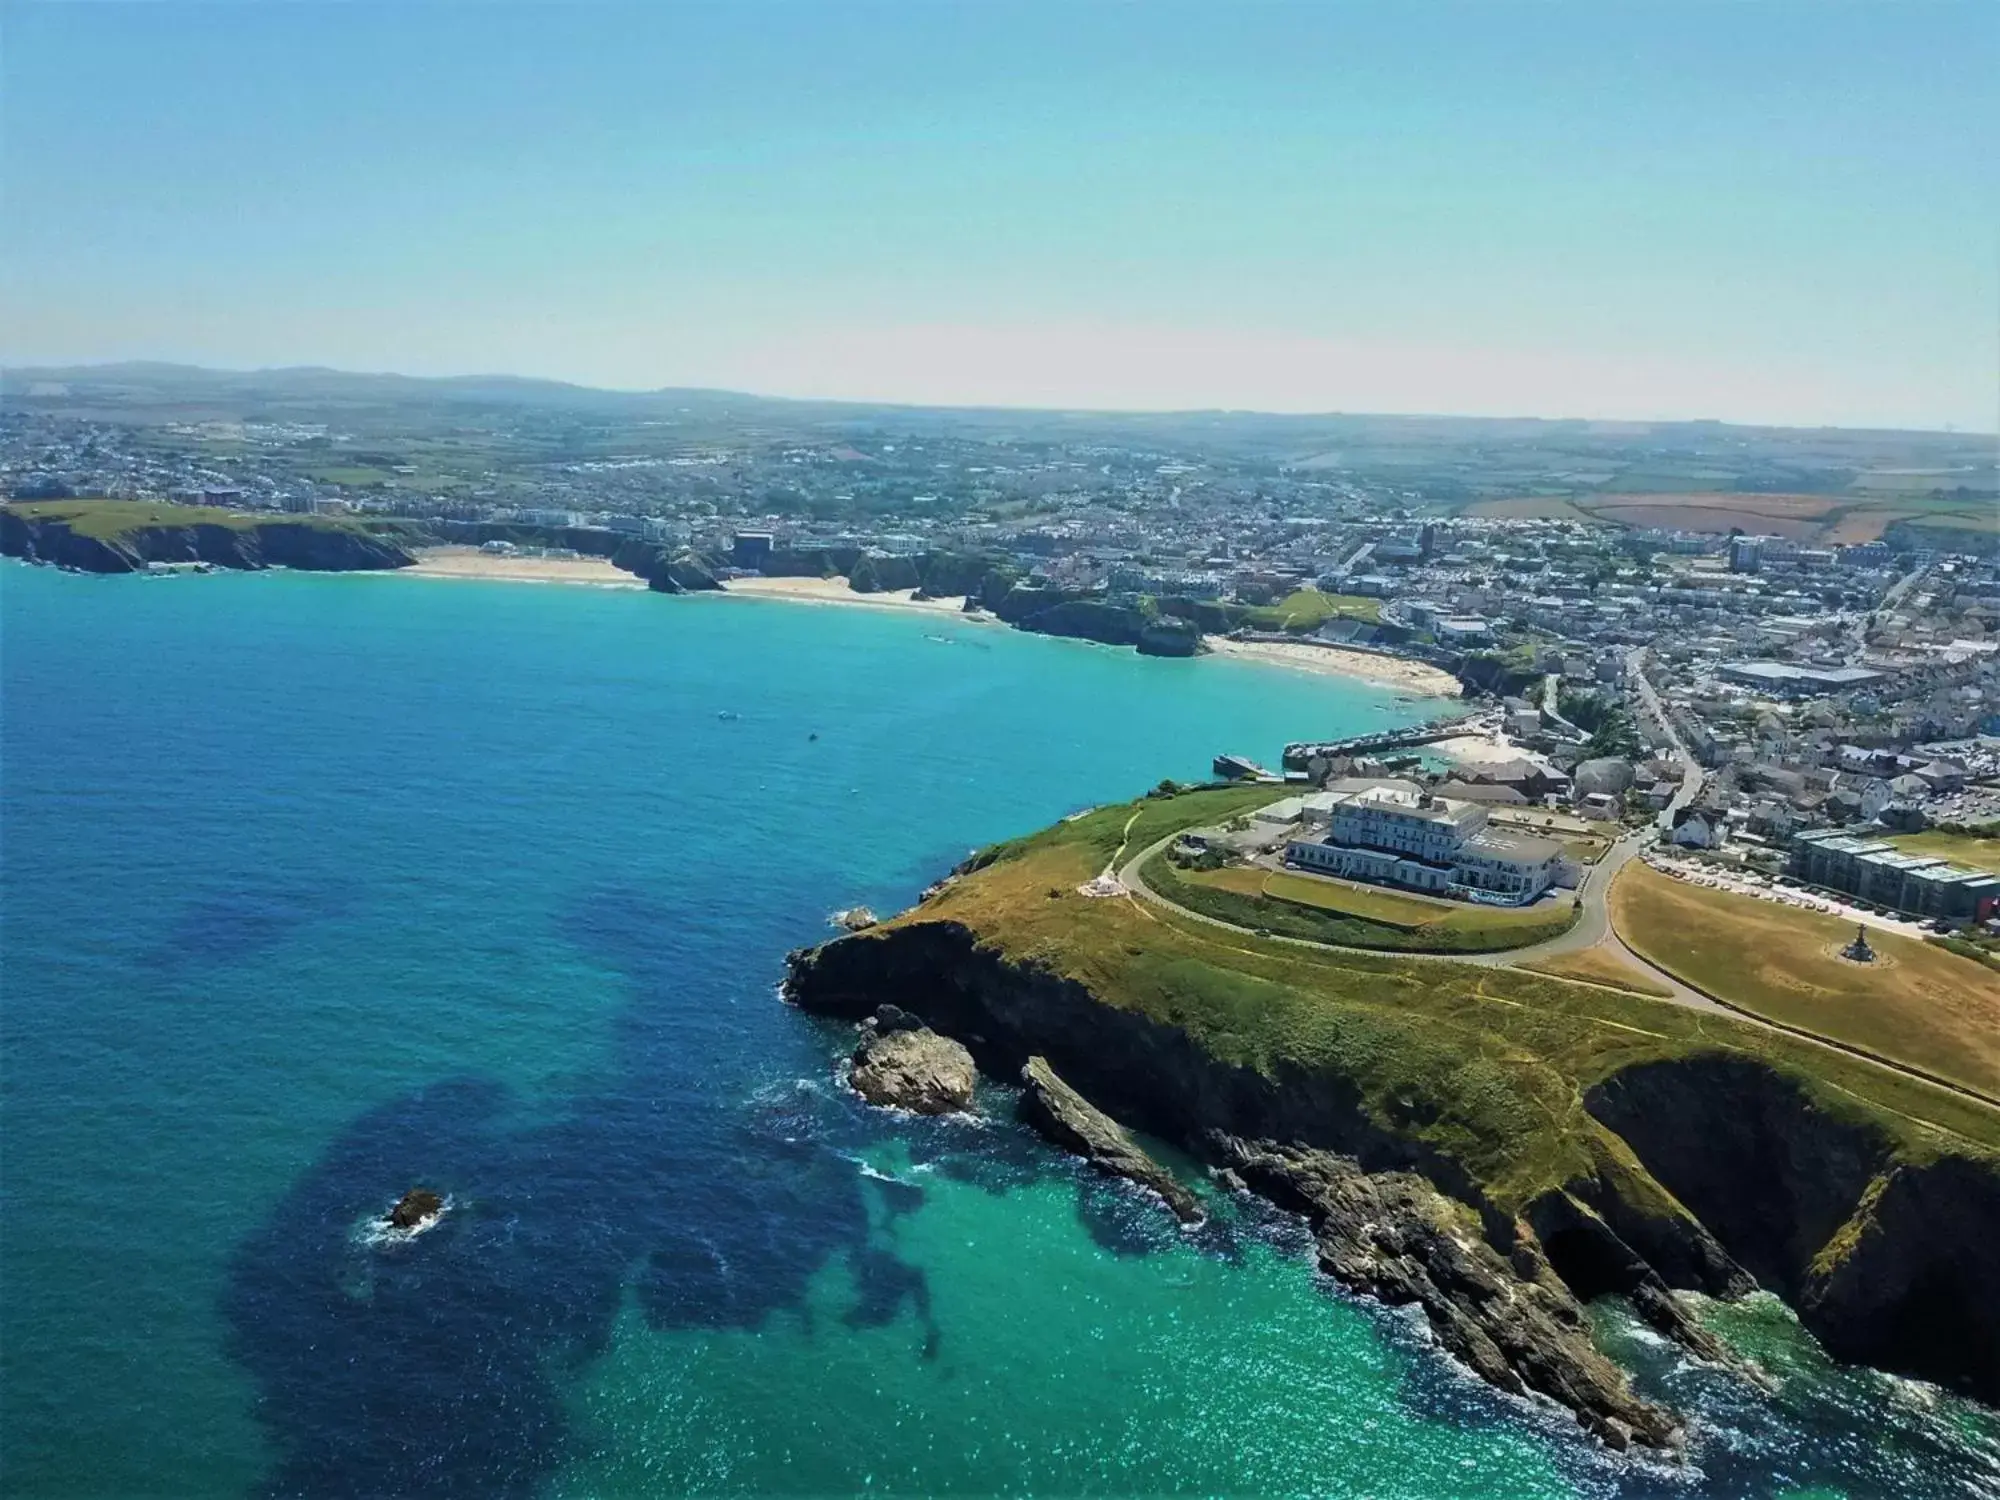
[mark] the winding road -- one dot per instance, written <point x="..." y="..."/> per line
<point x="1593" y="929"/>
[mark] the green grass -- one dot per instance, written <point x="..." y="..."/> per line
<point x="353" y="476"/>
<point x="108" y="520"/>
<point x="1973" y="851"/>
<point x="1919" y="1004"/>
<point x="1485" y="1065"/>
<point x="1308" y="609"/>
<point x="1357" y="916"/>
<point x="1354" y="900"/>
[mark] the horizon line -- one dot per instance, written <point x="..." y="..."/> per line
<point x="10" y="368"/>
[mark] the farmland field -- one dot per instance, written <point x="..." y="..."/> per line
<point x="1528" y="508"/>
<point x="1796" y="516"/>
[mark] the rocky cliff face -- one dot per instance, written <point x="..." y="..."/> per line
<point x="264" y="544"/>
<point x="1891" y="1264"/>
<point x="1072" y="1122"/>
<point x="667" y="570"/>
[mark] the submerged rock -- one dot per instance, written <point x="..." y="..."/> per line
<point x="415" y="1209"/>
<point x="904" y="1063"/>
<point x="1072" y="1122"/>
<point x="1393" y="1236"/>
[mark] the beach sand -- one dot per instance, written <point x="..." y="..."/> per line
<point x="470" y="562"/>
<point x="836" y="591"/>
<point x="1411" y="676"/>
<point x="1475" y="750"/>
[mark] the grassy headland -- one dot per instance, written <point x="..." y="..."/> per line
<point x="1488" y="1066"/>
<point x="1917" y="1003"/>
<point x="1308" y="609"/>
<point x="115" y="520"/>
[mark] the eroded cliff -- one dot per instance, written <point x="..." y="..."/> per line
<point x="1705" y="1172"/>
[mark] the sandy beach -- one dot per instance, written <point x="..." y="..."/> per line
<point x="1475" y="750"/>
<point x="1411" y="676"/>
<point x="1414" y="677"/>
<point x="836" y="591"/>
<point x="470" y="562"/>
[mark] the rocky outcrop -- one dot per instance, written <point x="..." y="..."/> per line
<point x="902" y="1062"/>
<point x="306" y="545"/>
<point x="1169" y="636"/>
<point x="667" y="570"/>
<point x="1393" y="1236"/>
<point x="415" y="1209"/>
<point x="1072" y="1122"/>
<point x="1716" y="1171"/>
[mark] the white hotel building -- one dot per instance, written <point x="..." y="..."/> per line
<point x="1388" y="835"/>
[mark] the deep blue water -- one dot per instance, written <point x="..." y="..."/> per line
<point x="317" y="888"/>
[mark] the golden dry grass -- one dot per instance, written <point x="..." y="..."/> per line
<point x="1918" y="1004"/>
<point x="1599" y="966"/>
<point x="1527" y="508"/>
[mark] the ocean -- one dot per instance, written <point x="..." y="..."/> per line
<point x="318" y="888"/>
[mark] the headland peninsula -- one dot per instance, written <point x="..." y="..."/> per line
<point x="1498" y="1137"/>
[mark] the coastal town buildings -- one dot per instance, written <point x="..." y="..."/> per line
<point x="1410" y="837"/>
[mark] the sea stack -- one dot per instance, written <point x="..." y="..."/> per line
<point x="902" y="1062"/>
<point x="415" y="1209"/>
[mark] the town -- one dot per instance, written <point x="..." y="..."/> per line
<point x="1777" y="651"/>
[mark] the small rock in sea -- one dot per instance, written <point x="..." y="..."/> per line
<point x="901" y="1061"/>
<point x="415" y="1208"/>
<point x="855" y="919"/>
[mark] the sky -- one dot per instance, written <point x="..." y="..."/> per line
<point x="1760" y="212"/>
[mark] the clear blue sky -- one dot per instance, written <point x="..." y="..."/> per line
<point x="1757" y="211"/>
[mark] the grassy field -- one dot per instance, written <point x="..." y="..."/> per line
<point x="1308" y="609"/>
<point x="1528" y="508"/>
<point x="1599" y="966"/>
<point x="108" y="520"/>
<point x="1961" y="849"/>
<point x="1359" y="916"/>
<point x="1484" y="1065"/>
<point x="1919" y="1004"/>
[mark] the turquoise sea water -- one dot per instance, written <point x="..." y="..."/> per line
<point x="316" y="888"/>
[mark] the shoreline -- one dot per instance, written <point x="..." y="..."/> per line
<point x="1416" y="677"/>
<point x="836" y="591"/>
<point x="470" y="562"/>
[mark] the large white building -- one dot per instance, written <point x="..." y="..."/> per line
<point x="1390" y="835"/>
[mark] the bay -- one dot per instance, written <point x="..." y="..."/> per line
<point x="316" y="888"/>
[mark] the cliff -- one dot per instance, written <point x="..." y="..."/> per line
<point x="1590" y="1143"/>
<point x="667" y="570"/>
<point x="124" y="536"/>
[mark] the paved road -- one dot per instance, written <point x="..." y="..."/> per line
<point x="1593" y="929"/>
<point x="1692" y="775"/>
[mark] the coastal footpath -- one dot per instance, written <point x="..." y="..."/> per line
<point x="1495" y="1146"/>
